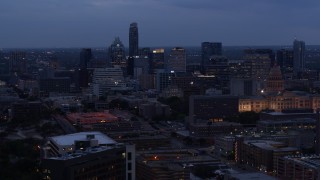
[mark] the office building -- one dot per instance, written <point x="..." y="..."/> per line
<point x="87" y="155"/>
<point x="209" y="49"/>
<point x="133" y="40"/>
<point x="83" y="73"/>
<point x="244" y="87"/>
<point x="170" y="164"/>
<point x="214" y="108"/>
<point x="285" y="60"/>
<point x="105" y="79"/>
<point x="141" y="66"/>
<point x="177" y="60"/>
<point x="145" y="52"/>
<point x="85" y="57"/>
<point x="130" y="66"/>
<point x="298" y="57"/>
<point x="163" y="79"/>
<point x="261" y="155"/>
<point x="116" y="53"/>
<point x="157" y="59"/>
<point x="299" y="167"/>
<point x="260" y="61"/>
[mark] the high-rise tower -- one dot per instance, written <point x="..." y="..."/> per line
<point x="298" y="56"/>
<point x="133" y="40"/>
<point x="83" y="74"/>
<point x="177" y="60"/>
<point x="116" y="53"/>
<point x="209" y="49"/>
<point x="85" y="57"/>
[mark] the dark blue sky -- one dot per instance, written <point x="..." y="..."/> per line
<point x="95" y="23"/>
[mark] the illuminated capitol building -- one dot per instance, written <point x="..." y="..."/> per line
<point x="276" y="98"/>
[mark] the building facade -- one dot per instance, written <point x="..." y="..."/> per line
<point x="133" y="40"/>
<point x="177" y="60"/>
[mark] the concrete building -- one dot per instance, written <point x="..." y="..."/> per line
<point x="214" y="108"/>
<point x="133" y="40"/>
<point x="87" y="155"/>
<point x="209" y="129"/>
<point x="298" y="57"/>
<point x="157" y="59"/>
<point x="209" y="49"/>
<point x="299" y="167"/>
<point x="245" y="87"/>
<point x="262" y="155"/>
<point x="106" y="79"/>
<point x="224" y="146"/>
<point x="116" y="53"/>
<point x="170" y="164"/>
<point x="163" y="79"/>
<point x="259" y="61"/>
<point x="177" y="60"/>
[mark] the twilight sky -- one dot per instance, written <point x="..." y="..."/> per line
<point x="95" y="23"/>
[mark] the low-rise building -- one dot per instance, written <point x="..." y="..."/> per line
<point x="170" y="164"/>
<point x="87" y="155"/>
<point x="299" y="167"/>
<point x="262" y="155"/>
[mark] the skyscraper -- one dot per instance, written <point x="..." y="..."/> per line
<point x="133" y="40"/>
<point x="209" y="49"/>
<point x="85" y="57"/>
<point x="177" y="60"/>
<point x="157" y="59"/>
<point x="298" y="56"/>
<point x="285" y="60"/>
<point x="130" y="66"/>
<point x="116" y="53"/>
<point x="83" y="74"/>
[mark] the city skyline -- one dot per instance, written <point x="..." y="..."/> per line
<point x="36" y="24"/>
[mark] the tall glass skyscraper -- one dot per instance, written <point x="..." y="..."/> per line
<point x="209" y="49"/>
<point x="298" y="56"/>
<point x="133" y="40"/>
<point x="116" y="53"/>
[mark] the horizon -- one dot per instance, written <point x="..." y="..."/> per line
<point x="154" y="47"/>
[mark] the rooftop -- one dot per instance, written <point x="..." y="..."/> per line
<point x="270" y="145"/>
<point x="312" y="161"/>
<point x="65" y="140"/>
<point x="92" y="118"/>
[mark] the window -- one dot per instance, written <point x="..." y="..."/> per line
<point x="129" y="156"/>
<point x="129" y="166"/>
